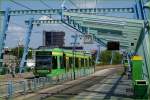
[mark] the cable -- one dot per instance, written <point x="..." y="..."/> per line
<point x="18" y="24"/>
<point x="45" y="4"/>
<point x="35" y="31"/>
<point x="20" y="4"/>
<point x="73" y="4"/>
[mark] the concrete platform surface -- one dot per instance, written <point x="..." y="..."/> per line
<point x="115" y="87"/>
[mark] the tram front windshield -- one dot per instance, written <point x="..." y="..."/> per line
<point x="43" y="62"/>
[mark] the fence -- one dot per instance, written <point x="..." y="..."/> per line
<point x="9" y="89"/>
<point x="7" y="70"/>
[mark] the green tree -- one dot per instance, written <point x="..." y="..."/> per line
<point x="117" y="58"/>
<point x="18" y="52"/>
<point x="105" y="57"/>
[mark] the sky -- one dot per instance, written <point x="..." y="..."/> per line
<point x="17" y="28"/>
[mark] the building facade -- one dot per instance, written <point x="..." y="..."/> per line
<point x="53" y="38"/>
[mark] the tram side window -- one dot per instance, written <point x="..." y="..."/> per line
<point x="62" y="62"/>
<point x="76" y="63"/>
<point x="82" y="62"/>
<point x="70" y="62"/>
<point x="90" y="63"/>
<point x="85" y="62"/>
<point x="54" y="62"/>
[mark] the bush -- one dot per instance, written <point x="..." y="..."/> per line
<point x="105" y="57"/>
<point x="3" y="71"/>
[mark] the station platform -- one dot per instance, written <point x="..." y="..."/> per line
<point x="114" y="87"/>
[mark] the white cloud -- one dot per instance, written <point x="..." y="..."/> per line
<point x="85" y="4"/>
<point x="14" y="34"/>
<point x="90" y="4"/>
<point x="14" y="28"/>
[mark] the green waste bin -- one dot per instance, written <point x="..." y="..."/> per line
<point x="137" y="73"/>
<point x="141" y="89"/>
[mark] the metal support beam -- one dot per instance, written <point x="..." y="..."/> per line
<point x="44" y="22"/>
<point x="111" y="27"/>
<point x="143" y="44"/>
<point x="106" y="18"/>
<point x="74" y="49"/>
<point x="58" y="11"/>
<point x="3" y="34"/>
<point x="26" y="46"/>
<point x="82" y="30"/>
<point x="113" y="21"/>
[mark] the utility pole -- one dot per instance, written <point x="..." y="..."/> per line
<point x="98" y="54"/>
<point x="97" y="57"/>
<point x="74" y="47"/>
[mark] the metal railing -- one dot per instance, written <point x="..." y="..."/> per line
<point x="9" y="89"/>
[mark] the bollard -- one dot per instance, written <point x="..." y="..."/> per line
<point x="44" y="80"/>
<point x="10" y="90"/>
<point x="84" y="72"/>
<point x="34" y="83"/>
<point x="29" y="82"/>
<point x="24" y="87"/>
<point x="40" y="81"/>
<point x="50" y="80"/>
<point x="62" y="78"/>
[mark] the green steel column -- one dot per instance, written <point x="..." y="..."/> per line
<point x="149" y="37"/>
<point x="144" y="48"/>
<point x="58" y="62"/>
<point x="0" y="16"/>
<point x="1" y="22"/>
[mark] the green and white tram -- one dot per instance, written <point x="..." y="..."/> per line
<point x="53" y="62"/>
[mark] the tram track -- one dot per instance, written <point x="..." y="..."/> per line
<point x="70" y="90"/>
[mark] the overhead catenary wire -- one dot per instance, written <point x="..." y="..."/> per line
<point x="18" y="24"/>
<point x="24" y="6"/>
<point x="17" y="3"/>
<point x="48" y="6"/>
<point x="20" y="4"/>
<point x="73" y="3"/>
<point x="35" y="31"/>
